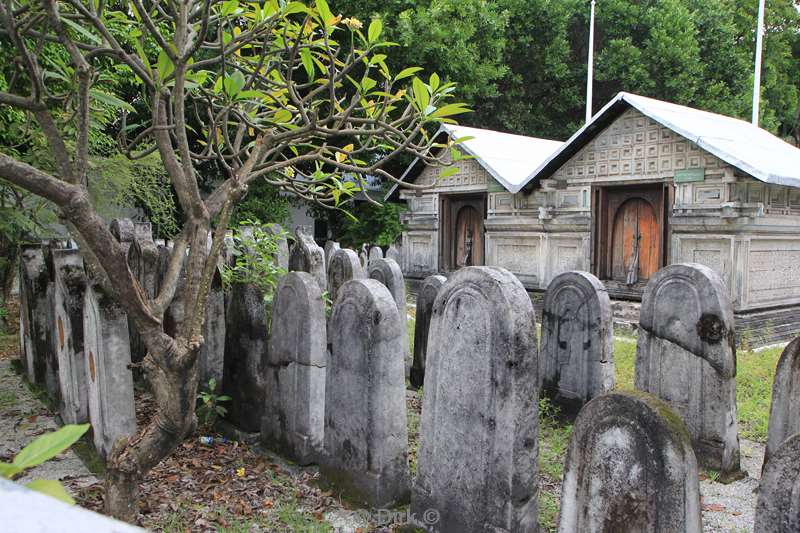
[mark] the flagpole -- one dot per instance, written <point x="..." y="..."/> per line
<point x="590" y="73"/>
<point x="757" y="76"/>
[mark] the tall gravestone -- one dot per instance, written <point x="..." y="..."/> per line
<point x="330" y="248"/>
<point x="395" y="252"/>
<point x="375" y="253"/>
<point x="307" y="256"/>
<point x="425" y="298"/>
<point x="344" y="266"/>
<point x="124" y="230"/>
<point x="784" y="415"/>
<point x="366" y="439"/>
<point x="576" y="360"/>
<point x="778" y="506"/>
<point x="69" y="287"/>
<point x="211" y="359"/>
<point x="143" y="263"/>
<point x="35" y="338"/>
<point x="109" y="380"/>
<point x="388" y="272"/>
<point x="51" y="372"/>
<point x="686" y="356"/>
<point x="294" y="412"/>
<point x="630" y="467"/>
<point x="363" y="257"/>
<point x="477" y="461"/>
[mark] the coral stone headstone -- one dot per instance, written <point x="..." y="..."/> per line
<point x="388" y="272"/>
<point x="307" y="256"/>
<point x="343" y="267"/>
<point x="294" y="413"/>
<point x="363" y="256"/>
<point x="630" y="467"/>
<point x="576" y="361"/>
<point x="143" y="262"/>
<point x="69" y="287"/>
<point x="330" y="248"/>
<point x="366" y="439"/>
<point x="35" y="337"/>
<point x="211" y="359"/>
<point x="375" y="253"/>
<point x="778" y="506"/>
<point x="425" y="298"/>
<point x="51" y="373"/>
<point x="395" y="252"/>
<point x="109" y="380"/>
<point x="686" y="356"/>
<point x="124" y="230"/>
<point x="784" y="415"/>
<point x="477" y="462"/>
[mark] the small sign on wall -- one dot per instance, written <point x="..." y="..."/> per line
<point x="690" y="174"/>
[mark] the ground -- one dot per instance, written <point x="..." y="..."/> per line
<point x="236" y="486"/>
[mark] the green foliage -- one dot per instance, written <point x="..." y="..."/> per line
<point x="42" y="449"/>
<point x="755" y="372"/>
<point x="263" y="202"/>
<point x="209" y="406"/>
<point x="255" y="251"/>
<point x="366" y="223"/>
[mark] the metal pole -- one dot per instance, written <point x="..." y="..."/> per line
<point x="590" y="73"/>
<point x="757" y="76"/>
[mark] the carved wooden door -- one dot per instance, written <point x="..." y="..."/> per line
<point x="469" y="237"/>
<point x="636" y="242"/>
<point x="461" y="236"/>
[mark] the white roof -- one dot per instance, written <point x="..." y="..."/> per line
<point x="738" y="143"/>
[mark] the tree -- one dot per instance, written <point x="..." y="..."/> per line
<point x="276" y="91"/>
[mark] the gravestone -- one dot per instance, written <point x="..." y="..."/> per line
<point x="124" y="230"/>
<point x="778" y="507"/>
<point x="425" y="298"/>
<point x="685" y="355"/>
<point x="35" y="337"/>
<point x="330" y="248"/>
<point x="366" y="439"/>
<point x="306" y="256"/>
<point x="109" y="380"/>
<point x="282" y="245"/>
<point x="143" y="258"/>
<point x="68" y="297"/>
<point x="389" y="274"/>
<point x="294" y="413"/>
<point x="344" y="266"/>
<point x="477" y="461"/>
<point x="784" y="415"/>
<point x="576" y="360"/>
<point x="51" y="373"/>
<point x="211" y="359"/>
<point x="394" y="252"/>
<point x="630" y="467"/>
<point x="363" y="257"/>
<point x="375" y="253"/>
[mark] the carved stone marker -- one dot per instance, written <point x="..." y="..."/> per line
<point x="294" y="414"/>
<point x="143" y="262"/>
<point x="124" y="230"/>
<point x="784" y="415"/>
<point x="388" y="272"/>
<point x="363" y="257"/>
<point x="576" y="362"/>
<point x="306" y="256"/>
<point x="211" y="359"/>
<point x="69" y="287"/>
<point x="51" y="374"/>
<point x="375" y="253"/>
<point x="330" y="248"/>
<point x="35" y="337"/>
<point x="477" y="462"/>
<point x="366" y="439"/>
<point x="343" y="267"/>
<point x="394" y="252"/>
<point x="686" y="356"/>
<point x="109" y="380"/>
<point x="778" y="508"/>
<point x="425" y="298"/>
<point x="630" y="467"/>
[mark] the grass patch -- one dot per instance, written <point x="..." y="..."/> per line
<point x="625" y="362"/>
<point x="548" y="511"/>
<point x="755" y="372"/>
<point x="554" y="435"/>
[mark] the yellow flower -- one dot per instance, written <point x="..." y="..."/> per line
<point x="353" y="23"/>
<point x="240" y="472"/>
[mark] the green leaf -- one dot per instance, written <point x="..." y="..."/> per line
<point x="52" y="488"/>
<point x="295" y="7"/>
<point x="7" y="470"/>
<point x="449" y="171"/>
<point x="434" y="82"/>
<point x="374" y="31"/>
<point x="451" y="109"/>
<point x="282" y="115"/>
<point x="164" y="65"/>
<point x="308" y="62"/>
<point x="49" y="445"/>
<point x="406" y="72"/>
<point x="421" y="95"/>
<point x="324" y="12"/>
<point x="110" y="100"/>
<point x="83" y="31"/>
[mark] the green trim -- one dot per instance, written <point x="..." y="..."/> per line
<point x="690" y="174"/>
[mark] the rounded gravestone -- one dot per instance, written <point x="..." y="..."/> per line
<point x="784" y="415"/>
<point x="375" y="253"/>
<point x="630" y="467"/>
<point x="307" y="256"/>
<point x="576" y="360"/>
<point x="388" y="272"/>
<point x="778" y="507"/>
<point x="330" y="248"/>
<point x="425" y="298"/>
<point x="343" y="267"/>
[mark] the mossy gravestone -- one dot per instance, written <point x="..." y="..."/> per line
<point x="630" y="467"/>
<point x="143" y="257"/>
<point x="35" y="337"/>
<point x="366" y="439"/>
<point x="784" y="415"/>
<point x="293" y="421"/>
<point x="778" y="507"/>
<point x="307" y="256"/>
<point x="375" y="253"/>
<point x="686" y="356"/>
<point x="343" y="267"/>
<point x="576" y="361"/>
<point x="330" y="248"/>
<point x="425" y="298"/>
<point x="388" y="272"/>
<point x="477" y="462"/>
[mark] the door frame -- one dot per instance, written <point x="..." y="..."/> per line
<point x="606" y="201"/>
<point x="449" y="205"/>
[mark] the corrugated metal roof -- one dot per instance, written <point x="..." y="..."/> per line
<point x="737" y="142"/>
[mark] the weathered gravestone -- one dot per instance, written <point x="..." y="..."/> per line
<point x="363" y="256"/>
<point x="109" y="380"/>
<point x="576" y="360"/>
<point x="344" y="266"/>
<point x="124" y="230"/>
<point x="375" y="253"/>
<point x="330" y="248"/>
<point x="51" y="373"/>
<point x="477" y="462"/>
<point x="294" y="414"/>
<point x="784" y="415"/>
<point x="143" y="263"/>
<point x="388" y="272"/>
<point x="211" y="359"/>
<point x="686" y="356"/>
<point x="35" y="337"/>
<point x="630" y="467"/>
<point x="69" y="287"/>
<point x="425" y="298"/>
<point x="778" y="506"/>
<point x="394" y="252"/>
<point x="307" y="256"/>
<point x="366" y="439"/>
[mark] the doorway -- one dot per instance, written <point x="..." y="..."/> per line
<point x="461" y="231"/>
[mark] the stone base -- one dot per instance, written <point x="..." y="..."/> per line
<point x="297" y="447"/>
<point x="368" y="489"/>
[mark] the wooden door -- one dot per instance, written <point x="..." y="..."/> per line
<point x="635" y="242"/>
<point x="461" y="231"/>
<point x="469" y="237"/>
